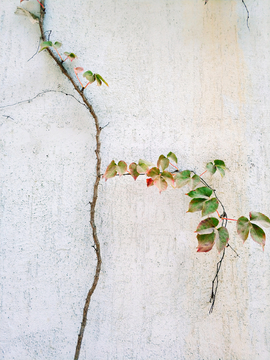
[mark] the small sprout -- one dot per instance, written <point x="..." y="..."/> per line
<point x="100" y="80"/>
<point x="57" y="45"/>
<point x="71" y="56"/>
<point x="78" y="70"/>
<point x="45" y="44"/>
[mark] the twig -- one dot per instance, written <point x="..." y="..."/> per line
<point x="247" y="13"/>
<point x="8" y="117"/>
<point x="41" y="94"/>
<point x="95" y="188"/>
<point x="215" y="283"/>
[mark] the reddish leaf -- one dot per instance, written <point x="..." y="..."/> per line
<point x="163" y="162"/>
<point x="196" y="205"/>
<point x="149" y="182"/>
<point x="222" y="238"/>
<point x="257" y="234"/>
<point x="201" y="192"/>
<point x="209" y="207"/>
<point x="133" y="170"/>
<point x="205" y="242"/>
<point x="110" y="171"/>
<point x="243" y="227"/>
<point x="161" y="184"/>
<point x="261" y="218"/>
<point x="207" y="224"/>
<point x="153" y="173"/>
<point x="182" y="178"/>
<point x="78" y="70"/>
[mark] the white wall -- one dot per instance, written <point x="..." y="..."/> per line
<point x="184" y="77"/>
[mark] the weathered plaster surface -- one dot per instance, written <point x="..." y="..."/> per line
<point x="183" y="77"/>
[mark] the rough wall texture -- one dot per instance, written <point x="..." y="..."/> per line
<point x="184" y="77"/>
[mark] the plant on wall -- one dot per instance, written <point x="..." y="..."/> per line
<point x="211" y="230"/>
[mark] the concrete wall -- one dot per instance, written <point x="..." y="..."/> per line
<point x="184" y="77"/>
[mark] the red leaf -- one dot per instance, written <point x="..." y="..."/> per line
<point x="149" y="182"/>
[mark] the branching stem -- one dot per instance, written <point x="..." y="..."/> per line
<point x="96" y="184"/>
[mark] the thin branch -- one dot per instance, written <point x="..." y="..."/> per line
<point x="41" y="94"/>
<point x="247" y="13"/>
<point x="215" y="283"/>
<point x="8" y="117"/>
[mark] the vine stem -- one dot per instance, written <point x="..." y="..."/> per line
<point x="96" y="184"/>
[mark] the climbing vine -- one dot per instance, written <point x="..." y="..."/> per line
<point x="211" y="230"/>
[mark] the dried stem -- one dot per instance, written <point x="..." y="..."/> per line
<point x="95" y="189"/>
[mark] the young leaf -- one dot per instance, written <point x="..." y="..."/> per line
<point x="257" y="234"/>
<point x="172" y="156"/>
<point x="195" y="180"/>
<point x="201" y="192"/>
<point x="206" y="224"/>
<point x="167" y="176"/>
<point x="99" y="82"/>
<point x="57" y="45"/>
<point x="209" y="206"/>
<point x="163" y="162"/>
<point x="110" y="171"/>
<point x="78" y="70"/>
<point x="243" y="226"/>
<point x="149" y="182"/>
<point x="153" y="173"/>
<point x="70" y="55"/>
<point x="261" y="218"/>
<point x="32" y="17"/>
<point x="205" y="242"/>
<point x="211" y="168"/>
<point x="161" y="184"/>
<point x="121" y="167"/>
<point x="133" y="170"/>
<point x="44" y="45"/>
<point x="221" y="170"/>
<point x="100" y="78"/>
<point x="196" y="205"/>
<point x="89" y="76"/>
<point x="182" y="178"/>
<point x="222" y="238"/>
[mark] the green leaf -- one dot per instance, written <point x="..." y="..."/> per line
<point x="143" y="166"/>
<point x="195" y="180"/>
<point x="220" y="163"/>
<point x="163" y="162"/>
<point x="182" y="178"/>
<point x="222" y="238"/>
<point x="133" y="170"/>
<point x="243" y="226"/>
<point x="257" y="234"/>
<point x="201" y="192"/>
<point x="70" y="55"/>
<point x="100" y="78"/>
<point x="205" y="242"/>
<point x="57" y="45"/>
<point x="221" y="170"/>
<point x="153" y="173"/>
<point x="261" y="218"/>
<point x="89" y="76"/>
<point x="196" y="205"/>
<point x="110" y="171"/>
<point x="172" y="156"/>
<point x="209" y="206"/>
<point x="99" y="82"/>
<point x="44" y="45"/>
<point x="167" y="176"/>
<point x="32" y="17"/>
<point x="121" y="167"/>
<point x="207" y="224"/>
<point x="211" y="168"/>
<point x="161" y="184"/>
